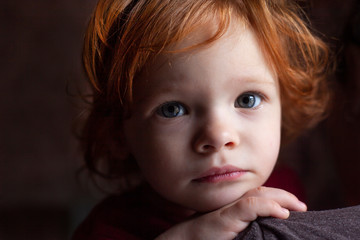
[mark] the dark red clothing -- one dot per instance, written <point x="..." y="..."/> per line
<point x="285" y="178"/>
<point x="130" y="216"/>
<point x="141" y="214"/>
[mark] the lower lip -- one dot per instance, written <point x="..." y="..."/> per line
<point x="224" y="177"/>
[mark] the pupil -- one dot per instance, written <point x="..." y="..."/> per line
<point x="246" y="100"/>
<point x="171" y="109"/>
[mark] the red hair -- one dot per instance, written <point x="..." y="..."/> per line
<point x="124" y="35"/>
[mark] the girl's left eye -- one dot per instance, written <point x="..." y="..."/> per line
<point x="171" y="110"/>
<point x="248" y="100"/>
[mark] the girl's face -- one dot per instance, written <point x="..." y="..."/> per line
<point x="205" y="124"/>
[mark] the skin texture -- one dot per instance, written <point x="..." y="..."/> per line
<point x="227" y="222"/>
<point x="215" y="130"/>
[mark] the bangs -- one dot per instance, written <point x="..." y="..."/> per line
<point x="160" y="24"/>
<point x="124" y="35"/>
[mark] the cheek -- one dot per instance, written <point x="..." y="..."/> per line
<point x="161" y="163"/>
<point x="155" y="150"/>
<point x="268" y="139"/>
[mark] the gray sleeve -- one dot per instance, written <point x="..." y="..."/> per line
<point x="337" y="224"/>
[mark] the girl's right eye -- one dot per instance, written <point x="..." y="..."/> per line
<point x="171" y="110"/>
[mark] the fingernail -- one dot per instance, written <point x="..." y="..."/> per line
<point x="285" y="211"/>
<point x="303" y="205"/>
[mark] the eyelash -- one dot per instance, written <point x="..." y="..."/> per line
<point x="255" y="97"/>
<point x="175" y="109"/>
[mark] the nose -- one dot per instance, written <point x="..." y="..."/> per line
<point x="216" y="134"/>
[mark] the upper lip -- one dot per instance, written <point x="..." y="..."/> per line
<point x="219" y="171"/>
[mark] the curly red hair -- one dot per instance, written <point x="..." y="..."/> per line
<point x="124" y="35"/>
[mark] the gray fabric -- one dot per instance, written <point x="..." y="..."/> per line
<point x="338" y="224"/>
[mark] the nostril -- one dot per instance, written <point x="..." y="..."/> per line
<point x="209" y="148"/>
<point x="229" y="144"/>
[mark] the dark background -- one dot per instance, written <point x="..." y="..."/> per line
<point x="40" y="43"/>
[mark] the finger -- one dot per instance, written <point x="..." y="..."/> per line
<point x="253" y="207"/>
<point x="239" y="215"/>
<point x="282" y="197"/>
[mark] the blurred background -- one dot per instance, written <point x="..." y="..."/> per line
<point x="41" y="42"/>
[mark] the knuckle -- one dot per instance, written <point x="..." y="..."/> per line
<point x="245" y="204"/>
<point x="273" y="204"/>
<point x="251" y="201"/>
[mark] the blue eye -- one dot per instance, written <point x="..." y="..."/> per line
<point x="171" y="110"/>
<point x="248" y="100"/>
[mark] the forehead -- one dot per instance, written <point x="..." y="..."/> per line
<point x="238" y="44"/>
<point x="208" y="32"/>
<point x="235" y="55"/>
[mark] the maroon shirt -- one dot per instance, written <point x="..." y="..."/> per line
<point x="138" y="214"/>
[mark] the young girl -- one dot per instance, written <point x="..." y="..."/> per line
<point x="190" y="101"/>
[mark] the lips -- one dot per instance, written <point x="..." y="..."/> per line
<point x="215" y="175"/>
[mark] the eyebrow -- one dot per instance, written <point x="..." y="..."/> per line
<point x="251" y="80"/>
<point x="255" y="80"/>
<point x="159" y="91"/>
